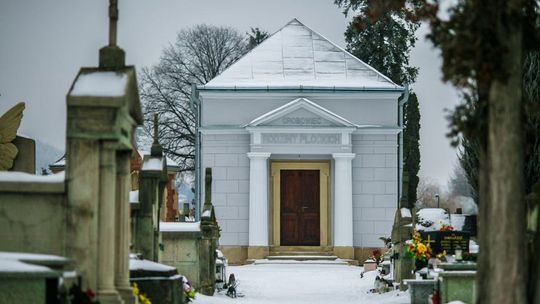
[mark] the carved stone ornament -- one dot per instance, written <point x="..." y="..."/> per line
<point x="9" y="124"/>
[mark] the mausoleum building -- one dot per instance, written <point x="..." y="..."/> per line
<point x="303" y="141"/>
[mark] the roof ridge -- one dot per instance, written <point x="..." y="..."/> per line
<point x="282" y="59"/>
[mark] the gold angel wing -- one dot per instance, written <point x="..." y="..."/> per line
<point x="9" y="124"/>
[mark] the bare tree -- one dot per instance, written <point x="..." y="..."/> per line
<point x="199" y="54"/>
<point x="427" y="192"/>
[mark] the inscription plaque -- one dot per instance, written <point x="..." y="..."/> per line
<point x="446" y="240"/>
<point x="301" y="139"/>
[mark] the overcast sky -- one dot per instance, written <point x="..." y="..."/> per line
<point x="44" y="43"/>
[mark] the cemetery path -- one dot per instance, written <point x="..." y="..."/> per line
<point x="304" y="283"/>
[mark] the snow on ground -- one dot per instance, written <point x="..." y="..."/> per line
<point x="304" y="283"/>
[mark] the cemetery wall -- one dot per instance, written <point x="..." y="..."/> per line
<point x="181" y="250"/>
<point x="32" y="217"/>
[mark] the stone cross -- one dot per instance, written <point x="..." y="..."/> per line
<point x="208" y="188"/>
<point x="111" y="57"/>
<point x="113" y="20"/>
<point x="156" y="149"/>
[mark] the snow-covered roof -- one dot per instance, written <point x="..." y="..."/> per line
<point x="297" y="56"/>
<point x="99" y="83"/>
<point x="153" y="164"/>
<point x="171" y="164"/>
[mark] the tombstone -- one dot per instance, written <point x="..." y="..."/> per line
<point x="26" y="159"/>
<point x="447" y="241"/>
<point x="210" y="236"/>
<point x="401" y="232"/>
<point x="160" y="283"/>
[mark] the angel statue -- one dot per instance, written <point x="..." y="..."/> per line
<point x="9" y="123"/>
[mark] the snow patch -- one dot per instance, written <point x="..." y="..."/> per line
<point x="180" y="227"/>
<point x="405" y="212"/>
<point x="109" y="84"/>
<point x="304" y="284"/>
<point x="136" y="264"/>
<point x="457" y="221"/>
<point x="134" y="197"/>
<point x="473" y="247"/>
<point x="9" y="265"/>
<point x="22" y="177"/>
<point x="432" y="219"/>
<point x="20" y="261"/>
<point x="153" y="164"/>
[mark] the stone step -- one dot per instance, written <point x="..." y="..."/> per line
<point x="303" y="257"/>
<point x="307" y="262"/>
<point x="295" y="253"/>
<point x="312" y="249"/>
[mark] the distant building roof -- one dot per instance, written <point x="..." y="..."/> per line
<point x="297" y="56"/>
<point x="171" y="164"/>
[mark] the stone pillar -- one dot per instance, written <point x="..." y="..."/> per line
<point x="209" y="240"/>
<point x="343" y="210"/>
<point x="123" y="231"/>
<point x="82" y="172"/>
<point x="258" y="205"/>
<point x="107" y="292"/>
<point x="150" y="189"/>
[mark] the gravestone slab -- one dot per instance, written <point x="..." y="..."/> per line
<point x="446" y="240"/>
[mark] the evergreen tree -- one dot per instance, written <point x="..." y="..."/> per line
<point x="483" y="44"/>
<point x="411" y="150"/>
<point x="256" y="37"/>
<point x="385" y="43"/>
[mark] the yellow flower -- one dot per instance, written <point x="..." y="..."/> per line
<point x="421" y="248"/>
<point x="135" y="289"/>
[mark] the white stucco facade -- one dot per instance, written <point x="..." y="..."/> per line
<point x="297" y="98"/>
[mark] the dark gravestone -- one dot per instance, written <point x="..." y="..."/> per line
<point x="470" y="225"/>
<point x="447" y="241"/>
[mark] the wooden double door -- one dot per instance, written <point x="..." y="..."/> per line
<point x="300" y="207"/>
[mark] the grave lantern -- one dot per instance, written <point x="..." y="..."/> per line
<point x="221" y="270"/>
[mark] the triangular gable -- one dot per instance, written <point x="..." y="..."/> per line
<point x="299" y="113"/>
<point x="298" y="56"/>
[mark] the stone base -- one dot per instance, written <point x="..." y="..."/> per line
<point x="344" y="252"/>
<point x="257" y="252"/>
<point x="109" y="297"/>
<point x="240" y="255"/>
<point x="361" y="254"/>
<point x="236" y="255"/>
<point x="127" y="295"/>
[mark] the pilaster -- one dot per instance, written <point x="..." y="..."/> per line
<point x="343" y="210"/>
<point x="258" y="199"/>
<point x="123" y="231"/>
<point x="107" y="292"/>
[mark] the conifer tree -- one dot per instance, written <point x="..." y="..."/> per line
<point x="385" y="43"/>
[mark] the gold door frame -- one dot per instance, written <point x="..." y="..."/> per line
<point x="324" y="178"/>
